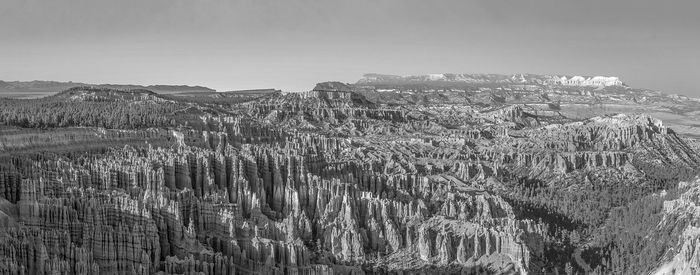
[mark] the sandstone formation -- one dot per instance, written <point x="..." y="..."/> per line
<point x="683" y="214"/>
<point x="319" y="182"/>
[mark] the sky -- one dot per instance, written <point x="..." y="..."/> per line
<point x="293" y="44"/>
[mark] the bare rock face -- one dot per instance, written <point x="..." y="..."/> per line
<point x="329" y="182"/>
<point x="683" y="212"/>
<point x="254" y="209"/>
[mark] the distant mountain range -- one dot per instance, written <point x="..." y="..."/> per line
<point x="37" y="88"/>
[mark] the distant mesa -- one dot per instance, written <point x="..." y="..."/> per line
<point x="333" y="86"/>
<point x="590" y="81"/>
<point x="254" y="91"/>
<point x="37" y="88"/>
<point x="602" y="81"/>
<point x="343" y="91"/>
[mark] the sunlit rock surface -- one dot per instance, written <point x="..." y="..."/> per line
<point x="327" y="181"/>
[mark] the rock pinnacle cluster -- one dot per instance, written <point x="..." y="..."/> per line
<point x="457" y="174"/>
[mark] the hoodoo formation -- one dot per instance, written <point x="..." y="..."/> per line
<point x="452" y="174"/>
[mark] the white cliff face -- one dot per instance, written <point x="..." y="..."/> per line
<point x="436" y="77"/>
<point x="602" y="81"/>
<point x="687" y="258"/>
<point x="687" y="261"/>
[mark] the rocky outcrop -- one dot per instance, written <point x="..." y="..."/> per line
<point x="317" y="182"/>
<point x="683" y="212"/>
<point x="143" y="210"/>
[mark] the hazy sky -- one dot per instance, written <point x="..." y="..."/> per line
<point x="293" y="44"/>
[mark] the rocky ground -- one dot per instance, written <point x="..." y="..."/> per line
<point x="346" y="179"/>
